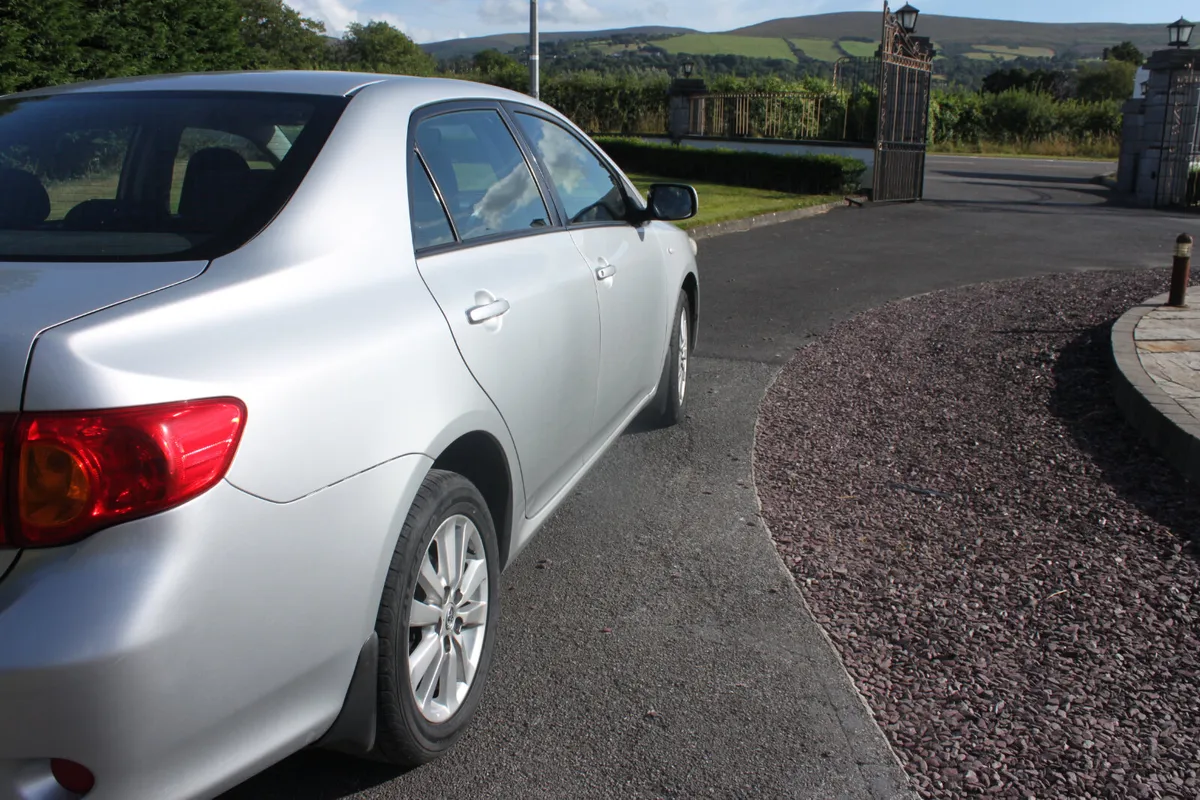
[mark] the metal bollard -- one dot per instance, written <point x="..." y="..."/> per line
<point x="1181" y="272"/>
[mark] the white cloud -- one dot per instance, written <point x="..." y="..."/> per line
<point x="515" y="11"/>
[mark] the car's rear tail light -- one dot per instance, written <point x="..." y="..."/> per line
<point x="6" y="423"/>
<point x="70" y="474"/>
<point x="75" y="778"/>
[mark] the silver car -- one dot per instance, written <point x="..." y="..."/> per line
<point x="292" y="365"/>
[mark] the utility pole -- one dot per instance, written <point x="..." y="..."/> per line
<point x="534" y="57"/>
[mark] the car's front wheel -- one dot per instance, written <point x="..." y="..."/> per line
<point x="437" y="622"/>
<point x="673" y="385"/>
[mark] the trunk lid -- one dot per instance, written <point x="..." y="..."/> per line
<point x="38" y="296"/>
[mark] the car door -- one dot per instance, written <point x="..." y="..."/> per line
<point x="519" y="299"/>
<point x="626" y="262"/>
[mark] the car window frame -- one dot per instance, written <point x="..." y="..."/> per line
<point x="442" y="108"/>
<point x="632" y="195"/>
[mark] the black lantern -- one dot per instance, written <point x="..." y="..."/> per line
<point x="688" y="68"/>
<point x="1180" y="32"/>
<point x="908" y="18"/>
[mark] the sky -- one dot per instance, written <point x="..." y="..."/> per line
<point x="435" y="20"/>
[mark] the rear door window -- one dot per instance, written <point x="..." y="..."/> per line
<point x="482" y="174"/>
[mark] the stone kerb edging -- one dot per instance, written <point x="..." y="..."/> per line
<point x="1168" y="427"/>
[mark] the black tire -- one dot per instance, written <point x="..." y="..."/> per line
<point x="403" y="736"/>
<point x="672" y="405"/>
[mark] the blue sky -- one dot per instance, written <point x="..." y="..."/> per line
<point x="433" y="20"/>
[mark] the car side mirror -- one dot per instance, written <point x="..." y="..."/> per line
<point x="673" y="202"/>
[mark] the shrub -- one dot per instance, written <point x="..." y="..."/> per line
<point x="798" y="174"/>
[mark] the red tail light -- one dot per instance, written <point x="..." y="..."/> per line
<point x="67" y="475"/>
<point x="6" y="423"/>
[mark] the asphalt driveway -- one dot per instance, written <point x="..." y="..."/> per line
<point x="652" y="644"/>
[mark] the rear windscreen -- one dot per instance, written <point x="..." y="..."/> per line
<point x="150" y="175"/>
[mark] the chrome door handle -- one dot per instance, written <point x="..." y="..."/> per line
<point x="606" y="272"/>
<point x="481" y="314"/>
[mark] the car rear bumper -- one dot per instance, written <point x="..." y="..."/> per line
<point x="177" y="655"/>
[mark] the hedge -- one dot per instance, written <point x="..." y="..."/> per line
<point x="797" y="174"/>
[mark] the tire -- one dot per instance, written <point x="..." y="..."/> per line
<point x="672" y="387"/>
<point x="449" y="509"/>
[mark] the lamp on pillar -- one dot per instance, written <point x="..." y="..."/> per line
<point x="688" y="68"/>
<point x="1180" y="32"/>
<point x="907" y="17"/>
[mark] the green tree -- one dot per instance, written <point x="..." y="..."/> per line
<point x="39" y="45"/>
<point x="378" y="47"/>
<point x="140" y="37"/>
<point x="1110" y="80"/>
<point x="499" y="69"/>
<point x="275" y="36"/>
<point x="1127" y="52"/>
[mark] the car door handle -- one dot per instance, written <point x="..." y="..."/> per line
<point x="481" y="314"/>
<point x="605" y="272"/>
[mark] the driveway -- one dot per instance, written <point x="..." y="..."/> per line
<point x="652" y="644"/>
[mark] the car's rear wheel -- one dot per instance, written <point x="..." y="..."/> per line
<point x="437" y="622"/>
<point x="673" y="385"/>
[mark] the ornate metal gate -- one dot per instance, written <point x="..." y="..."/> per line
<point x="905" y="83"/>
<point x="1179" y="160"/>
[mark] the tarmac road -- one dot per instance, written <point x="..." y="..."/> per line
<point x="662" y="546"/>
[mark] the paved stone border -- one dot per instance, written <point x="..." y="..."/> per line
<point x="749" y="224"/>
<point x="1169" y="428"/>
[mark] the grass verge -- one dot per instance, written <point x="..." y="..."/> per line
<point x="720" y="203"/>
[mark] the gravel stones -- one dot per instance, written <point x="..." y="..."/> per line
<point x="1004" y="567"/>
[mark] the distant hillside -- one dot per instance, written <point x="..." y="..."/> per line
<point x="826" y="37"/>
<point x="507" y="41"/>
<point x="1082" y="39"/>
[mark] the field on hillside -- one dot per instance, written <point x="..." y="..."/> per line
<point x="716" y="44"/>
<point x="1015" y="52"/>
<point x="858" y="49"/>
<point x="819" y="49"/>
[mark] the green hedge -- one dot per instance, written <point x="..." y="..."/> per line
<point x="798" y="174"/>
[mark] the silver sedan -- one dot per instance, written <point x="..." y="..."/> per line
<point x="292" y="365"/>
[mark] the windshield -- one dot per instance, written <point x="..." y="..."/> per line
<point x="139" y="176"/>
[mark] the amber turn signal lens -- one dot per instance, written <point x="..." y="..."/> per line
<point x="54" y="488"/>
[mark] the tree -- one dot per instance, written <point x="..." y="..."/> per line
<point x="1127" y="52"/>
<point x="275" y="36"/>
<point x="501" y="70"/>
<point x="1110" y="80"/>
<point x="378" y="47"/>
<point x="40" y="43"/>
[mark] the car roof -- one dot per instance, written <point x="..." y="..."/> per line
<point x="317" y="82"/>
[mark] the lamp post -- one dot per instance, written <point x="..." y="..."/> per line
<point x="534" y="56"/>
<point x="908" y="18"/>
<point x="1180" y="33"/>
<point x="688" y="68"/>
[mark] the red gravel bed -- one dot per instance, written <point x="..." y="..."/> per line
<point x="1004" y="567"/>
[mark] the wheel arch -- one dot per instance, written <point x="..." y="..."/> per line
<point x="691" y="287"/>
<point x="480" y="458"/>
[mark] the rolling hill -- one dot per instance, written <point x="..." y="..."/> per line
<point x="827" y="37"/>
<point x="507" y="41"/>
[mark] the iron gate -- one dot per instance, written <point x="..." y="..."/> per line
<point x="905" y="84"/>
<point x="1179" y="159"/>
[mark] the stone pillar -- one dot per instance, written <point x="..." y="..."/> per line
<point x="1145" y="121"/>
<point x="679" y="106"/>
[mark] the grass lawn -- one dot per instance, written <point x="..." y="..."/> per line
<point x="716" y="44"/>
<point x="819" y="49"/>
<point x="719" y="203"/>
